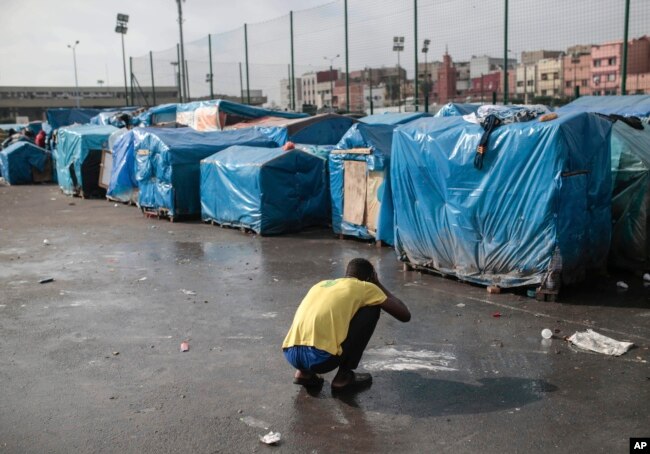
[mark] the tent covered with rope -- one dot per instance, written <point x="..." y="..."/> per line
<point x="537" y="203"/>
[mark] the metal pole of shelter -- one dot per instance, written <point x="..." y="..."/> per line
<point x="248" y="87"/>
<point x="347" y="62"/>
<point x="293" y="72"/>
<point x="505" y="54"/>
<point x="415" y="43"/>
<point x="153" y="85"/>
<point x="625" y="45"/>
<point x="211" y="73"/>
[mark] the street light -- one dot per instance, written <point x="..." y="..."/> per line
<point x="425" y="51"/>
<point x="74" y="58"/>
<point x="398" y="46"/>
<point x="121" y="28"/>
<point x="331" y="60"/>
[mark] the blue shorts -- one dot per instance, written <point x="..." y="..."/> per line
<point x="304" y="358"/>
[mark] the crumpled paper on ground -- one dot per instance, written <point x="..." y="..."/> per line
<point x="591" y="340"/>
<point x="271" y="438"/>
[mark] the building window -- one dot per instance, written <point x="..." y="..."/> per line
<point x="596" y="63"/>
<point x="584" y="82"/>
<point x="611" y="61"/>
<point x="543" y="92"/>
<point x="611" y="77"/>
<point x="545" y="76"/>
<point x="568" y="84"/>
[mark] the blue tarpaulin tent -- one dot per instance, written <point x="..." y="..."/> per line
<point x="218" y="114"/>
<point x="165" y="113"/>
<point x="122" y="185"/>
<point x="78" y="156"/>
<point x="58" y="118"/>
<point x="393" y="118"/>
<point x="322" y="129"/>
<point x="19" y="161"/>
<point x="544" y="193"/>
<point x="630" y="248"/>
<point x="454" y="109"/>
<point x="362" y="204"/>
<point x="168" y="164"/>
<point x="267" y="190"/>
<point x="626" y="105"/>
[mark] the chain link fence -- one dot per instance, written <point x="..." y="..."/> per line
<point x="353" y="55"/>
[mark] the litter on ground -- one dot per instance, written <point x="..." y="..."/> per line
<point x="595" y="342"/>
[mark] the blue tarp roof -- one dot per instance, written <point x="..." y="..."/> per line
<point x="163" y="113"/>
<point x="628" y="105"/>
<point x="167" y="163"/>
<point x="543" y="185"/>
<point x="17" y="161"/>
<point x="323" y="129"/>
<point x="74" y="144"/>
<point x="267" y="190"/>
<point x="65" y="117"/>
<point x="454" y="109"/>
<point x="393" y="118"/>
<point x="379" y="138"/>
<point x="210" y="115"/>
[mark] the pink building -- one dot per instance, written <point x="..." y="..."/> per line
<point x="481" y="88"/>
<point x="577" y="71"/>
<point x="607" y="60"/>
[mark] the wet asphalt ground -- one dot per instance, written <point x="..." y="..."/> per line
<point x="91" y="362"/>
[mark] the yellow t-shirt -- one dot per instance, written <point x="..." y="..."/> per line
<point x="323" y="318"/>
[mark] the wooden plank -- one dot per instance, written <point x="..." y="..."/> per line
<point x="352" y="151"/>
<point x="354" y="192"/>
<point x="105" y="169"/>
<point x="373" y="205"/>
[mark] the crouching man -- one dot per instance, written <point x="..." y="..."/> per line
<point x="333" y="325"/>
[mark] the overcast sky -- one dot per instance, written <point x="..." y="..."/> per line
<point x="34" y="35"/>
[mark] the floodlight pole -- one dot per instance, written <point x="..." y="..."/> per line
<point x="76" y="81"/>
<point x="126" y="90"/>
<point x="181" y="66"/>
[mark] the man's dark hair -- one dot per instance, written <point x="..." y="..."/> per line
<point x="360" y="268"/>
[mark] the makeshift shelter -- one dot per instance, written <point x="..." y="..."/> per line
<point x="539" y="205"/>
<point x="78" y="157"/>
<point x="168" y="165"/>
<point x="625" y="105"/>
<point x="362" y="204"/>
<point x="393" y="118"/>
<point x="108" y="167"/>
<point x="25" y="163"/>
<point x="267" y="190"/>
<point x="165" y="113"/>
<point x="454" y="109"/>
<point x="218" y="114"/>
<point x="630" y="246"/>
<point x="322" y="129"/>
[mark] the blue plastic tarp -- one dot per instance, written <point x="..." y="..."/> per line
<point x="73" y="147"/>
<point x="18" y="160"/>
<point x="122" y="184"/>
<point x="379" y="138"/>
<point x="393" y="118"/>
<point x="627" y="105"/>
<point x="217" y="114"/>
<point x="164" y="113"/>
<point x="324" y="129"/>
<point x="630" y="247"/>
<point x="544" y="189"/>
<point x="58" y="118"/>
<point x="267" y="190"/>
<point x="454" y="109"/>
<point x="168" y="164"/>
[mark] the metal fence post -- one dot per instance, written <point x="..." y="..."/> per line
<point x="187" y="82"/>
<point x="627" y="25"/>
<point x="248" y="87"/>
<point x="293" y="72"/>
<point x="153" y="85"/>
<point x="211" y="73"/>
<point x="415" y="48"/>
<point x="241" y="85"/>
<point x="179" y="68"/>
<point x="347" y="62"/>
<point x="505" y="54"/>
<point x="131" y="72"/>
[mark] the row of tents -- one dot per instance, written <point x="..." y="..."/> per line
<point x="562" y="196"/>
